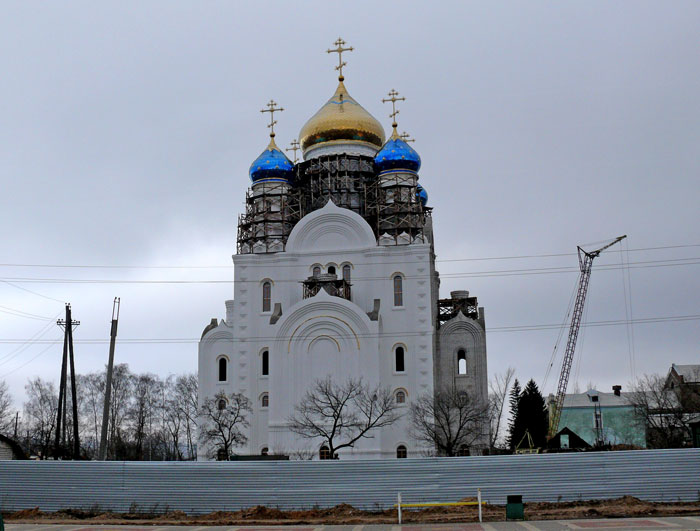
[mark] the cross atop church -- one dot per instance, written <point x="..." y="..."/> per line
<point x="272" y="109"/>
<point x="393" y="98"/>
<point x="294" y="146"/>
<point x="339" y="50"/>
<point x="406" y="137"/>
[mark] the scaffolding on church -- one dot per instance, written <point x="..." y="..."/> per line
<point x="460" y="301"/>
<point x="401" y="217"/>
<point x="272" y="210"/>
<point x="330" y="283"/>
<point x="389" y="204"/>
<point x="342" y="178"/>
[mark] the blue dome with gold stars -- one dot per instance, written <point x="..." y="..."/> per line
<point x="271" y="165"/>
<point x="396" y="154"/>
<point x="422" y="195"/>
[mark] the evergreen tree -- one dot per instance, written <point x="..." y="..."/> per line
<point x="531" y="416"/>
<point x="513" y="412"/>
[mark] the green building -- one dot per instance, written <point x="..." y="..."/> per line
<point x="605" y="418"/>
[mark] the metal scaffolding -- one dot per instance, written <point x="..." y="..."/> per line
<point x="389" y="204"/>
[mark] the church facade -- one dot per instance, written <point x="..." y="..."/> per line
<point x="335" y="276"/>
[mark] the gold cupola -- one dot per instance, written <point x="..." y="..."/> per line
<point x="341" y="121"/>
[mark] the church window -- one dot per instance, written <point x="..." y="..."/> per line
<point x="223" y="366"/>
<point x="264" y="400"/>
<point x="401" y="452"/>
<point x="324" y="453"/>
<point x="398" y="290"/>
<point x="265" y="363"/>
<point x="346" y="273"/>
<point x="221" y="404"/>
<point x="316" y="271"/>
<point x="331" y="270"/>
<point x="400" y="397"/>
<point x="264" y="451"/>
<point x="399" y="355"/>
<point x="461" y="362"/>
<point x="266" y="296"/>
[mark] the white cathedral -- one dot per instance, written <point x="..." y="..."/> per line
<point x="335" y="276"/>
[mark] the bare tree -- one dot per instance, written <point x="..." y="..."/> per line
<point x="40" y="412"/>
<point x="6" y="419"/>
<point x="341" y="415"/>
<point x="223" y="418"/>
<point x="497" y="399"/>
<point x="92" y="389"/>
<point x="659" y="408"/>
<point x="450" y="420"/>
<point x="185" y="400"/>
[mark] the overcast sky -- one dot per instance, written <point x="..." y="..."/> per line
<point x="128" y="129"/>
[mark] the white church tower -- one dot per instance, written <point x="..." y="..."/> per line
<point x="335" y="276"/>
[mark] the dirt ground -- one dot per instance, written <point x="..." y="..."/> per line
<point x="346" y="514"/>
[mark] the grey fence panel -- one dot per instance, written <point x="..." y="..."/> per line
<point x="196" y="488"/>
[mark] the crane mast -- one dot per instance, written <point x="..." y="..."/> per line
<point x="585" y="260"/>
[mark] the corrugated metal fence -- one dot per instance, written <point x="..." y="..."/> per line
<point x="663" y="475"/>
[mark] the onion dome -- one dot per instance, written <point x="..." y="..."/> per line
<point x="396" y="154"/>
<point x="272" y="165"/>
<point x="422" y="195"/>
<point x="341" y="121"/>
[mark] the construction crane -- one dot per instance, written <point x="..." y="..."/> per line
<point x="585" y="261"/>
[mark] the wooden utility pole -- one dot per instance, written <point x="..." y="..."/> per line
<point x="67" y="325"/>
<point x="108" y="383"/>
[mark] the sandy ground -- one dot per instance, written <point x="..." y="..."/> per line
<point x="346" y="514"/>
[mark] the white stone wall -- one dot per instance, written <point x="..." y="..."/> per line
<point x="324" y="334"/>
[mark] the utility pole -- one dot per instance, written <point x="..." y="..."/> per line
<point x="67" y="325"/>
<point x="108" y="383"/>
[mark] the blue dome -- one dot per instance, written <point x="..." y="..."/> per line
<point x="271" y="165"/>
<point x="397" y="155"/>
<point x="422" y="195"/>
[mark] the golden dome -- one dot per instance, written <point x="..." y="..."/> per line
<point x="341" y="120"/>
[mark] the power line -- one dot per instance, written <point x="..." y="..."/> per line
<point x="467" y="274"/>
<point x="445" y="260"/>
<point x="496" y="329"/>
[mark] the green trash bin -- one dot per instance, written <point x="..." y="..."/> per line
<point x="514" y="508"/>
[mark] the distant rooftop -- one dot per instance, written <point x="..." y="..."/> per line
<point x="690" y="373"/>
<point x="587" y="399"/>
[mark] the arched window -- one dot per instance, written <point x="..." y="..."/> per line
<point x="221" y="404"/>
<point x="223" y="366"/>
<point x="398" y="290"/>
<point x="264" y="451"/>
<point x="265" y="363"/>
<point x="324" y="452"/>
<point x="346" y="272"/>
<point x="264" y="400"/>
<point x="401" y="452"/>
<point x="399" y="356"/>
<point x="400" y="397"/>
<point x="461" y="362"/>
<point x="266" y="296"/>
<point x="316" y="271"/>
<point x="331" y="270"/>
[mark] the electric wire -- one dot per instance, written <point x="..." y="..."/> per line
<point x="20" y="313"/>
<point x="384" y="334"/>
<point x="560" y="335"/>
<point x="466" y="274"/>
<point x="444" y="260"/>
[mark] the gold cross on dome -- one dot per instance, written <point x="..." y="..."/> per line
<point x="272" y="109"/>
<point x="294" y="146"/>
<point x="339" y="50"/>
<point x="393" y="99"/>
<point x="406" y="137"/>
